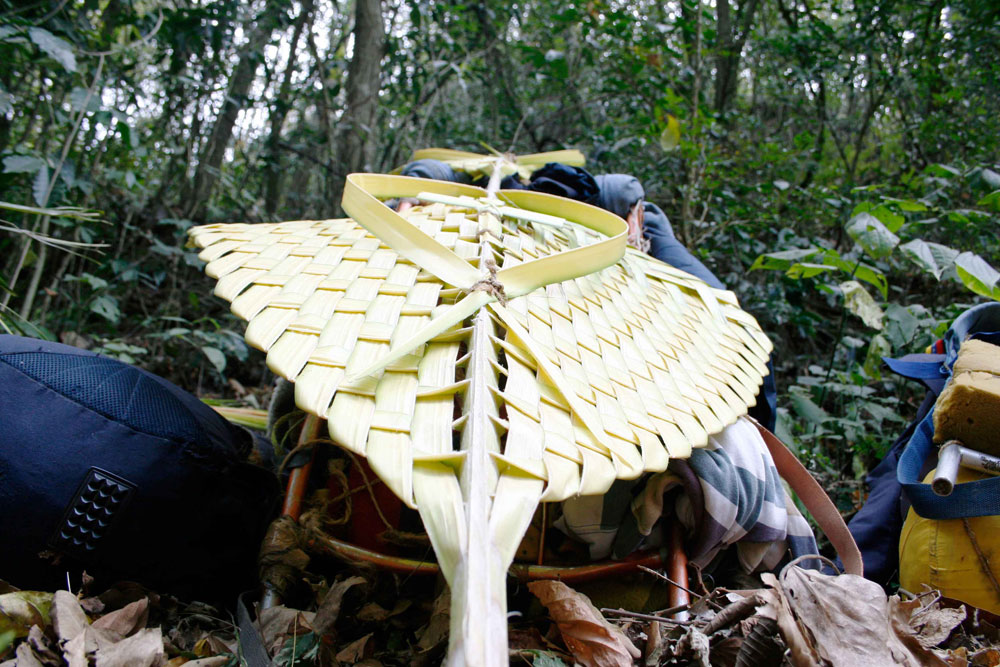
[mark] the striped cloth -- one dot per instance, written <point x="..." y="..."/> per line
<point x="728" y="493"/>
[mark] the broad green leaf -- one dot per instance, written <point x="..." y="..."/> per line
<point x="909" y="205"/>
<point x="94" y="281"/>
<point x="878" y="348"/>
<point x="55" y="47"/>
<point x="943" y="170"/>
<point x="40" y="187"/>
<point x="782" y="260"/>
<point x="990" y="178"/>
<point x="873" y="236"/>
<point x="892" y="220"/>
<point x="22" y="164"/>
<point x="861" y="271"/>
<point x="900" y="325"/>
<point x="991" y="201"/>
<point x="933" y="258"/>
<point x="545" y="659"/>
<point x="216" y="356"/>
<point x="858" y="301"/>
<point x="976" y="274"/>
<point x="807" y="409"/>
<point x="107" y="307"/>
<point x="807" y="270"/>
<point x="670" y="137"/>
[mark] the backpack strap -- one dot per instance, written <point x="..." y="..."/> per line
<point x="969" y="499"/>
<point x="816" y="501"/>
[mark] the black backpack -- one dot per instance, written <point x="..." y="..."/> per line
<point x="110" y="469"/>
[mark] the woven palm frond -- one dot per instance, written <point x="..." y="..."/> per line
<point x="476" y="165"/>
<point x="569" y="360"/>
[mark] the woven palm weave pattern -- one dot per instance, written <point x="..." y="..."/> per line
<point x="655" y="357"/>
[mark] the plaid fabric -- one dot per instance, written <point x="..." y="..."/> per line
<point x="732" y="494"/>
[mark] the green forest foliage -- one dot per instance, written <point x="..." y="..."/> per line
<point x="833" y="161"/>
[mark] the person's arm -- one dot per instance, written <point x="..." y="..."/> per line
<point x="664" y="246"/>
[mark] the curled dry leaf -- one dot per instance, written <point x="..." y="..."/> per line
<point x="436" y="630"/>
<point x="279" y="623"/>
<point x="593" y="641"/>
<point x="125" y="621"/>
<point x="695" y="644"/>
<point x="844" y="621"/>
<point x="355" y="651"/>
<point x="329" y="609"/>
<point x="143" y="649"/>
<point x="67" y="616"/>
<point x="932" y="624"/>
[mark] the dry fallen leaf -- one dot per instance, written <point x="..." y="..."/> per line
<point x="22" y="609"/>
<point x="329" y="609"/>
<point x="436" y="630"/>
<point x="279" y="623"/>
<point x="68" y="617"/>
<point x="355" y="651"/>
<point x="988" y="657"/>
<point x="125" y="621"/>
<point x="590" y="638"/>
<point x="934" y="624"/>
<point x="844" y="621"/>
<point x="143" y="649"/>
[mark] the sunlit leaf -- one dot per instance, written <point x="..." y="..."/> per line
<point x="990" y="178"/>
<point x="860" y="270"/>
<point x="670" y="137"/>
<point x="858" y="301"/>
<point x="807" y="270"/>
<point x="991" y="201"/>
<point x="55" y="47"/>
<point x="783" y="260"/>
<point x="878" y="348"/>
<point x="216" y="356"/>
<point x="909" y="205"/>
<point x="933" y="258"/>
<point x="107" y="307"/>
<point x="942" y="170"/>
<point x="976" y="274"/>
<point x="872" y="235"/>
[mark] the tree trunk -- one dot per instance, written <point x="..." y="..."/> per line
<point x="729" y="45"/>
<point x="206" y="175"/>
<point x="282" y="103"/>
<point x="355" y="140"/>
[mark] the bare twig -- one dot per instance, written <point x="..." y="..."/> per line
<point x="649" y="617"/>
<point x="733" y="613"/>
<point x="670" y="581"/>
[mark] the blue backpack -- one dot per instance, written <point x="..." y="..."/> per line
<point x="110" y="469"/>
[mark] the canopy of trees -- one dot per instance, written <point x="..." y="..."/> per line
<point x="833" y="161"/>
